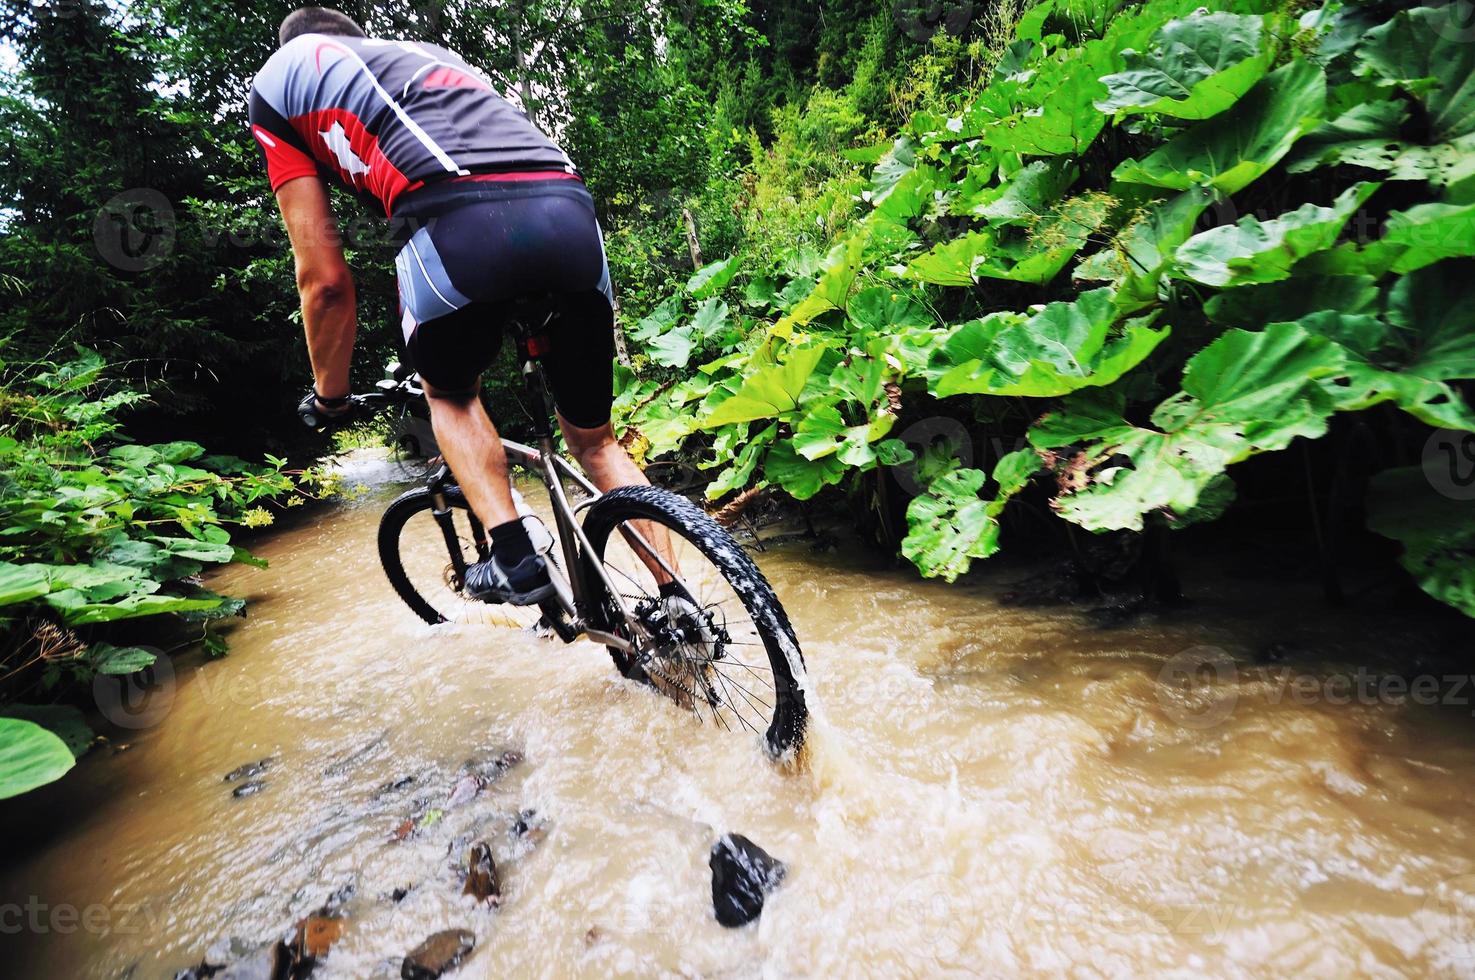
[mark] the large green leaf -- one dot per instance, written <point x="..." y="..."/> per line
<point x="1235" y="148"/>
<point x="1418" y="52"/>
<point x="1138" y="255"/>
<point x="713" y="277"/>
<point x="949" y="525"/>
<point x="823" y="432"/>
<point x="952" y="263"/>
<point x="30" y="756"/>
<point x="799" y="477"/>
<point x="64" y="721"/>
<point x="1029" y="194"/>
<point x="1422" y="342"/>
<point x="1437" y="534"/>
<point x="1060" y="349"/>
<point x="1196" y="68"/>
<point x="769" y="392"/>
<point x="830" y="293"/>
<point x="885" y="310"/>
<point x="1245" y="393"/>
<point x="1290" y="299"/>
<point x="1255" y="251"/>
<point x="21" y="583"/>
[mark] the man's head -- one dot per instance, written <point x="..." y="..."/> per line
<point x="317" y="20"/>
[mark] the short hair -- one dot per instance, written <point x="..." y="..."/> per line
<point x="317" y="20"/>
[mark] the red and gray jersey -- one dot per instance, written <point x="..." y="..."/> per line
<point x="384" y="117"/>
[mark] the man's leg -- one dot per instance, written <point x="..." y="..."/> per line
<point x="607" y="464"/>
<point x="471" y="445"/>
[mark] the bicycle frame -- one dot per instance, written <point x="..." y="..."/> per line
<point x="580" y="595"/>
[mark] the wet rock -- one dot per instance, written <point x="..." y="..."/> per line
<point x="348" y="760"/>
<point x="271" y="962"/>
<point x="527" y="831"/>
<point x="466" y="789"/>
<point x="393" y="785"/>
<point x="248" y="789"/>
<point x="441" y="952"/>
<point x="249" y="770"/>
<point x="742" y="876"/>
<point x="315" y="935"/>
<point x="482" y="882"/>
<point x="398" y="895"/>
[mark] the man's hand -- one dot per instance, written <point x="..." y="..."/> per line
<point x="312" y="413"/>
<point x="329" y="307"/>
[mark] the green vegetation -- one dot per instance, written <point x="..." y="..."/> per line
<point x="99" y="529"/>
<point x="1058" y="251"/>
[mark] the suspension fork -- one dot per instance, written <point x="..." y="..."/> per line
<point x="439" y="479"/>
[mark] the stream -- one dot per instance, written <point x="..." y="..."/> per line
<point x="988" y="789"/>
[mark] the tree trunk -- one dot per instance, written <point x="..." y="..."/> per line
<point x="691" y="239"/>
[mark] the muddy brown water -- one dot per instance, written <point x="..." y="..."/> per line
<point x="990" y="789"/>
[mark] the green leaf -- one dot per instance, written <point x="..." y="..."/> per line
<point x="1062" y="348"/>
<point x="1135" y="261"/>
<point x="1027" y="195"/>
<point x="672" y="348"/>
<point x="1245" y="393"/>
<point x="712" y="278"/>
<point x="196" y="550"/>
<point x="952" y="263"/>
<point x="710" y="320"/>
<point x="62" y="720"/>
<point x="1232" y="150"/>
<point x="1418" y="51"/>
<point x="841" y="265"/>
<point x="1196" y="68"/>
<point x="895" y="164"/>
<point x="76" y="610"/>
<point x="768" y="392"/>
<point x="108" y="659"/>
<point x="21" y="583"/>
<point x="1437" y="534"/>
<point x="949" y="525"/>
<point x="30" y="757"/>
<point x="823" y="432"/>
<point x="737" y="476"/>
<point x="799" y="477"/>
<point x="1423" y="342"/>
<point x="1290" y="299"/>
<point x="1421" y="236"/>
<point x="1255" y="251"/>
<point x="885" y="310"/>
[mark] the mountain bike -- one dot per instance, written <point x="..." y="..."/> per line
<point x="722" y="647"/>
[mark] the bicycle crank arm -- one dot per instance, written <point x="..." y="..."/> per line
<point x="610" y="640"/>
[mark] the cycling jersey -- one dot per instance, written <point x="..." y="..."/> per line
<point x="386" y="117"/>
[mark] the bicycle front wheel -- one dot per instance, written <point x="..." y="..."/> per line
<point x="722" y="647"/>
<point x="417" y="557"/>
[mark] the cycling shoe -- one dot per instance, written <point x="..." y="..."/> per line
<point x="524" y="584"/>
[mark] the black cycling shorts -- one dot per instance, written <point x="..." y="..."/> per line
<point x="484" y="244"/>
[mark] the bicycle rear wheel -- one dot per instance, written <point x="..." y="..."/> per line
<point x="724" y="650"/>
<point x="417" y="559"/>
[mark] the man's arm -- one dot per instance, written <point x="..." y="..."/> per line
<point x="329" y="306"/>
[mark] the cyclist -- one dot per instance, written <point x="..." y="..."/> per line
<point x="488" y="209"/>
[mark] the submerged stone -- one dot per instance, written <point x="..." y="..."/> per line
<point x="441" y="952"/>
<point x="742" y="876"/>
<point x="482" y="881"/>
